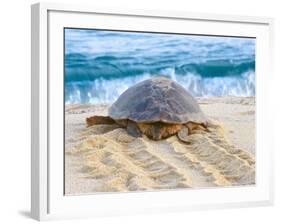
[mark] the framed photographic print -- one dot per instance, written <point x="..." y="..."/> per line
<point x="148" y="111"/>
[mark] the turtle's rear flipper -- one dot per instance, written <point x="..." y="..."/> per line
<point x="133" y="129"/>
<point x="196" y="128"/>
<point x="183" y="135"/>
<point x="99" y="120"/>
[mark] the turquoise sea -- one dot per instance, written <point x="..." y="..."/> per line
<point x="100" y="65"/>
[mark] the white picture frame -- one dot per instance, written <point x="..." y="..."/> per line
<point x="47" y="197"/>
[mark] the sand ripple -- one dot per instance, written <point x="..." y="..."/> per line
<point x="119" y="162"/>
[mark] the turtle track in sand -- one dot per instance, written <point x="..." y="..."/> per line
<point x="119" y="162"/>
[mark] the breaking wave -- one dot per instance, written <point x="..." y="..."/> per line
<point x="108" y="90"/>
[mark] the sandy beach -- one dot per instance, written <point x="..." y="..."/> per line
<point x="104" y="158"/>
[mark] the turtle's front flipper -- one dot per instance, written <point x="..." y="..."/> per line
<point x="99" y="120"/>
<point x="183" y="135"/>
<point x="133" y="129"/>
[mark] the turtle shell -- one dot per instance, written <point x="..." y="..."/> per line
<point x="157" y="99"/>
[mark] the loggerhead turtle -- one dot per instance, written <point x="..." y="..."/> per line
<point x="157" y="107"/>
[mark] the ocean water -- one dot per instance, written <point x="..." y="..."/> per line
<point x="100" y="65"/>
